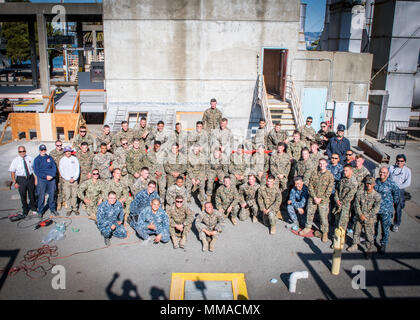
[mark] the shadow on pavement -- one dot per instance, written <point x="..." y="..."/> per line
<point x="126" y="287"/>
<point x="11" y="254"/>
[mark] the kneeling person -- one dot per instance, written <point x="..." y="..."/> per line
<point x="110" y="217"/>
<point x="297" y="202"/>
<point x="180" y="221"/>
<point x="209" y="225"/>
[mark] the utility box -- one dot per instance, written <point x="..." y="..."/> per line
<point x="358" y="110"/>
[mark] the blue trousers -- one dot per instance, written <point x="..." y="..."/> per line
<point x="145" y="233"/>
<point x="119" y="232"/>
<point x="398" y="208"/>
<point x="385" y="219"/>
<point x="294" y="216"/>
<point x="46" y="187"/>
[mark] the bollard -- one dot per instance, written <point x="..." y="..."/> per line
<point x="338" y="244"/>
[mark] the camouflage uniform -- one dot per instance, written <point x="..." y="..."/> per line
<point x="269" y="198"/>
<point x="78" y="139"/>
<point x="141" y="201"/>
<point x="174" y="163"/>
<point x="94" y="192"/>
<point x="154" y="161"/>
<point x="181" y="138"/>
<point x="211" y="119"/>
<point x="304" y="169"/>
<point x="240" y="164"/>
<point x="294" y="149"/>
<point x="109" y="215"/>
<point x="59" y="180"/>
<point x="346" y="189"/>
<point x="305" y="133"/>
<point x="222" y="138"/>
<point x="320" y="186"/>
<point x="216" y="169"/>
<point x="174" y="191"/>
<point x="159" y="219"/>
<point x="86" y="162"/>
<point x="260" y="163"/>
<point x="260" y="137"/>
<point x="138" y="132"/>
<point x="248" y="194"/>
<point x="161" y="136"/>
<point x="184" y="216"/>
<point x="360" y="175"/>
<point x="103" y="138"/>
<point x="274" y="138"/>
<point x="196" y="169"/>
<point x="201" y="138"/>
<point x="368" y="204"/>
<point x="122" y="191"/>
<point x="280" y="164"/>
<point x="315" y="157"/>
<point x="120" y="156"/>
<point x="390" y="195"/>
<point x="139" y="185"/>
<point x="135" y="159"/>
<point x="102" y="162"/>
<point x="337" y="172"/>
<point x="116" y="139"/>
<point x="210" y="222"/>
<point x="228" y="197"/>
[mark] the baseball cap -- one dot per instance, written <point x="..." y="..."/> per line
<point x="370" y="180"/>
<point x="341" y="127"/>
<point x="42" y="147"/>
<point x="67" y="148"/>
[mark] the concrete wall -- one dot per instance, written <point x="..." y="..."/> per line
<point x="182" y="53"/>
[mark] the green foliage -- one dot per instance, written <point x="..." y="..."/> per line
<point x="17" y="41"/>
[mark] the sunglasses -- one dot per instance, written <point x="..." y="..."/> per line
<point x="58" y="145"/>
<point x="323" y="126"/>
<point x="82" y="131"/>
<point x="95" y="174"/>
<point x="400" y="161"/>
<point x="179" y="201"/>
<point x="308" y="121"/>
<point x="349" y="154"/>
<point x="22" y="151"/>
<point x="334" y="158"/>
<point x="124" y="144"/>
<point x="42" y="150"/>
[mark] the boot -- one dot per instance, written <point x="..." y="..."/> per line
<point x="208" y="197"/>
<point x="305" y="231"/>
<point x="324" y="237"/>
<point x="352" y="248"/>
<point x="175" y="240"/>
<point x="265" y="219"/>
<point x="182" y="242"/>
<point x="279" y="215"/>
<point x="107" y="241"/>
<point x="234" y="221"/>
<point x="254" y="219"/>
<point x="382" y="249"/>
<point x="273" y="229"/>
<point x="212" y="244"/>
<point x="59" y="205"/>
<point x="205" y="245"/>
<point x="68" y="214"/>
<point x="64" y="204"/>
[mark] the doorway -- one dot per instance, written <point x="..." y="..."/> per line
<point x="274" y="72"/>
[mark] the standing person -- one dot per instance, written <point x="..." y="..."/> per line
<point x="181" y="219"/>
<point x="160" y="134"/>
<point x="83" y="136"/>
<point x="199" y="136"/>
<point x="308" y="133"/>
<point x="155" y="158"/>
<point x="142" y="200"/>
<point x="57" y="154"/>
<point x="304" y="167"/>
<point x="320" y="186"/>
<point x="359" y="171"/>
<point x="280" y="167"/>
<point x="69" y="171"/>
<point x="91" y="192"/>
<point x="141" y="183"/>
<point x="121" y="190"/>
<point x="343" y="197"/>
<point x="175" y="165"/>
<point x="211" y="117"/>
<point x="227" y="200"/>
<point x="196" y="173"/>
<point x="179" y="137"/>
<point x="350" y="158"/>
<point x="276" y="136"/>
<point x="260" y="163"/>
<point x="209" y="224"/>
<point x="22" y="174"/>
<point x="367" y="204"/>
<point x="85" y="158"/>
<point x="294" y="147"/>
<point x="315" y="153"/>
<point x="324" y="135"/>
<point x="102" y="162"/>
<point x="223" y="139"/>
<point x="339" y="144"/>
<point x="401" y="175"/>
<point x="390" y="195"/>
<point x="110" y="218"/>
<point x="120" y="157"/>
<point x="46" y="172"/>
<point x="240" y="165"/>
<point x="216" y="169"/>
<point x="104" y="137"/>
<point x="261" y="136"/>
<point x="125" y="132"/>
<point x="177" y="189"/>
<point x="248" y="199"/>
<point x="143" y="132"/>
<point x="336" y="169"/>
<point x="269" y="201"/>
<point x="297" y="202"/>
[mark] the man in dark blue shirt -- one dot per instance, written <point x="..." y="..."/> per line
<point x="45" y="171"/>
<point x="339" y="144"/>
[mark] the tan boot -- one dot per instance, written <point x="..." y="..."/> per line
<point x="352" y="248"/>
<point x="59" y="205"/>
<point x="324" y="237"/>
<point x="234" y="221"/>
<point x="175" y="241"/>
<point x="279" y="215"/>
<point x="305" y="231"/>
<point x="64" y="205"/>
<point x="273" y="229"/>
<point x="182" y="242"/>
<point x="205" y="245"/>
<point x="212" y="245"/>
<point x="254" y="219"/>
<point x="208" y="198"/>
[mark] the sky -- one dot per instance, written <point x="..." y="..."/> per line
<point x="315" y="12"/>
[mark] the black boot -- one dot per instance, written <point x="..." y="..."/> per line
<point x="107" y="241"/>
<point x="382" y="249"/>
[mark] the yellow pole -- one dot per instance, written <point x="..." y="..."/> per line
<point x="339" y="239"/>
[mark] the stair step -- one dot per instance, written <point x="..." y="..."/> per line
<point x="281" y="111"/>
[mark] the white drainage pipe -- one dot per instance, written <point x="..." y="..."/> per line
<point x="294" y="277"/>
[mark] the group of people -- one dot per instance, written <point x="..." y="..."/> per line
<point x="146" y="177"/>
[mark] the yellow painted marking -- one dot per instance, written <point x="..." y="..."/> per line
<point x="29" y="103"/>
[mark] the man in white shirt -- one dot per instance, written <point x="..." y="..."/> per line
<point x="401" y="175"/>
<point x="21" y="170"/>
<point x="70" y="170"/>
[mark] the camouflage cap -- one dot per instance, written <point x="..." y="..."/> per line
<point x="370" y="180"/>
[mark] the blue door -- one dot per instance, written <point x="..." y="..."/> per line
<point x="313" y="105"/>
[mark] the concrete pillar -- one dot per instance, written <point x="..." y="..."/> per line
<point x="43" y="56"/>
<point x="32" y="43"/>
<point x="79" y="32"/>
<point x="95" y="58"/>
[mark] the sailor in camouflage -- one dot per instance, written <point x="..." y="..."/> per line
<point x="294" y="147"/>
<point x="120" y="155"/>
<point x="199" y="136"/>
<point x="91" y="192"/>
<point x="179" y="137"/>
<point x="153" y="220"/>
<point x="85" y="158"/>
<point x="177" y="189"/>
<point x="367" y="204"/>
<point x="135" y="160"/>
<point x="227" y="200"/>
<point x="196" y="172"/>
<point x="390" y="195"/>
<point x="320" y="186"/>
<point x="260" y="163"/>
<point x="140" y="183"/>
<point x="308" y="133"/>
<point x="209" y="224"/>
<point x="142" y="200"/>
<point x="240" y="166"/>
<point x="215" y="169"/>
<point x="297" y="202"/>
<point x="83" y="136"/>
<point x="336" y="169"/>
<point x="261" y="135"/>
<point x="120" y="189"/>
<point x="212" y="117"/>
<point x="276" y="136"/>
<point x="102" y="162"/>
<point x="304" y="167"/>
<point x="315" y="154"/>
<point x="269" y="200"/>
<point x="155" y="158"/>
<point x="280" y="166"/>
<point x="143" y="132"/>
<point x="104" y="137"/>
<point x="360" y="172"/>
<point x="223" y="139"/>
<point x="160" y="134"/>
<point x="181" y="219"/>
<point x="175" y="165"/>
<point x="110" y="217"/>
<point x="125" y="132"/>
<point x="57" y="154"/>
<point x="248" y="199"/>
<point x="343" y="197"/>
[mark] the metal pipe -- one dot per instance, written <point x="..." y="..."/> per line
<point x="294" y="277"/>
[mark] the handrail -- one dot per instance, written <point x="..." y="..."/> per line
<point x="76" y="105"/>
<point x="6" y="125"/>
<point x="50" y="102"/>
<point x="295" y="102"/>
<point x="264" y="106"/>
